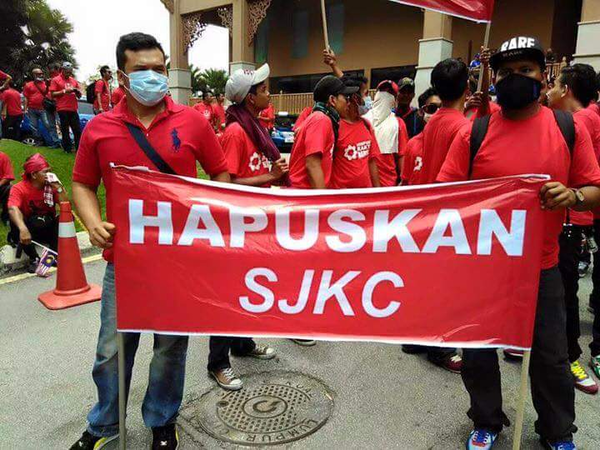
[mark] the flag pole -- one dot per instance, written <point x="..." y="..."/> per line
<point x="518" y="435"/>
<point x="325" y="32"/>
<point x="486" y="43"/>
<point x="122" y="392"/>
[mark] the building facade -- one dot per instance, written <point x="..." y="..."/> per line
<point x="379" y="39"/>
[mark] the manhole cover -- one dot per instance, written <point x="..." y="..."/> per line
<point x="272" y="408"/>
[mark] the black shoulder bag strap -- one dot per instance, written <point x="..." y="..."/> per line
<point x="566" y="124"/>
<point x="152" y="154"/>
<point x="478" y="132"/>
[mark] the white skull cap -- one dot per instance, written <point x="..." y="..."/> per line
<point x="242" y="80"/>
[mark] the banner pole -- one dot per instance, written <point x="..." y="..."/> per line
<point x="122" y="393"/>
<point x="325" y="32"/>
<point x="486" y="43"/>
<point x="518" y="435"/>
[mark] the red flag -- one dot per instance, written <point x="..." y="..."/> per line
<point x="477" y="10"/>
<point x="449" y="264"/>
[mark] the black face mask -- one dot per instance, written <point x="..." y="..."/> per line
<point x="518" y="91"/>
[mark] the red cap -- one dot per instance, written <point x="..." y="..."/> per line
<point x="393" y="85"/>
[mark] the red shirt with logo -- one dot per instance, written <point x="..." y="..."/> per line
<point x="267" y="117"/>
<point x="438" y="135"/>
<point x="315" y="137"/>
<point x="355" y="147"/>
<point x="102" y="90"/>
<point x="117" y="95"/>
<point x="12" y="100"/>
<point x="6" y="169"/>
<point x="534" y="145"/>
<point x="35" y="92"/>
<point x="413" y="160"/>
<point x="243" y="158"/>
<point x="66" y="102"/>
<point x="30" y="200"/>
<point x="206" y="110"/>
<point x="387" y="165"/>
<point x="179" y="134"/>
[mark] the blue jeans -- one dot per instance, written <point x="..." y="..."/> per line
<point x="49" y="120"/>
<point x="35" y="116"/>
<point x="167" y="371"/>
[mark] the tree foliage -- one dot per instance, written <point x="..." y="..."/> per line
<point x="42" y="40"/>
<point x="213" y="79"/>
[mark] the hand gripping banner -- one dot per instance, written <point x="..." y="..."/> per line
<point x="477" y="10"/>
<point x="451" y="264"/>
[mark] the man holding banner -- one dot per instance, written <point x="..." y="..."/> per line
<point x="528" y="138"/>
<point x="149" y="130"/>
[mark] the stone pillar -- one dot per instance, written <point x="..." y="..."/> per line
<point x="242" y="52"/>
<point x="435" y="46"/>
<point x="588" y="35"/>
<point x="180" y="77"/>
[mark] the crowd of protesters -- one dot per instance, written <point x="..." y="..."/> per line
<point x="525" y="123"/>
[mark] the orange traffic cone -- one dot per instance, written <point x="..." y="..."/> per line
<point x="72" y="288"/>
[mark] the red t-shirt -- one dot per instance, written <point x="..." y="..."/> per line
<point x="387" y="162"/>
<point x="102" y="90"/>
<point x="219" y="112"/>
<point x="413" y="160"/>
<point x="66" y="102"/>
<point x="267" y="117"/>
<point x="302" y="117"/>
<point x="179" y="134"/>
<point x="117" y="95"/>
<point x="314" y="137"/>
<point x="591" y="121"/>
<point x="12" y="100"/>
<point x="355" y="147"/>
<point x="494" y="108"/>
<point x="35" y="92"/>
<point x="243" y="158"/>
<point x="30" y="200"/>
<point x="535" y="145"/>
<point x="595" y="107"/>
<point x="206" y="110"/>
<point x="6" y="170"/>
<point x="438" y="135"/>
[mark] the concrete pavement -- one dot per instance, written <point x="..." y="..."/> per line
<point x="384" y="399"/>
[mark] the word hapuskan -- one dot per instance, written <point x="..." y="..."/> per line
<point x="343" y="230"/>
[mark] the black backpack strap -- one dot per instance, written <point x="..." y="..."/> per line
<point x="566" y="124"/>
<point x="478" y="132"/>
<point x="152" y="154"/>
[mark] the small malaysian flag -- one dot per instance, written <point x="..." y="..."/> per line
<point x="47" y="261"/>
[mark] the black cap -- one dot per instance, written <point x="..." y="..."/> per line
<point x="330" y="85"/>
<point x="519" y="47"/>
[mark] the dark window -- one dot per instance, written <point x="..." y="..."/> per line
<point x="302" y="83"/>
<point x="391" y="73"/>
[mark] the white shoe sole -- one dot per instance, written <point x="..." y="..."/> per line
<point x="227" y="387"/>
<point x="308" y="343"/>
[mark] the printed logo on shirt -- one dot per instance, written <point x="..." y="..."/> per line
<point x="358" y="151"/>
<point x="176" y="140"/>
<point x="258" y="160"/>
<point x="418" y="164"/>
<point x="206" y="113"/>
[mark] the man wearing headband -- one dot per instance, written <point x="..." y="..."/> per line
<point x="32" y="208"/>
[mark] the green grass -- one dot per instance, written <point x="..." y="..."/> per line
<point x="61" y="163"/>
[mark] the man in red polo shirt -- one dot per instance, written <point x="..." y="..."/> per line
<point x="573" y="91"/>
<point x="182" y="137"/>
<point x="65" y="90"/>
<point x="311" y="160"/>
<point x="102" y="90"/>
<point x="526" y="137"/>
<point x="219" y="110"/>
<point x="117" y="95"/>
<point x="6" y="176"/>
<point x="34" y="92"/>
<point x="267" y="117"/>
<point x="12" y="113"/>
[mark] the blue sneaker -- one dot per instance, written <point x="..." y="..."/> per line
<point x="480" y="439"/>
<point x="562" y="445"/>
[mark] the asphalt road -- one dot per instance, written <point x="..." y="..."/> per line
<point x="384" y="399"/>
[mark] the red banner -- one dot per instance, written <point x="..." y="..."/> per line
<point x="477" y="10"/>
<point x="450" y="264"/>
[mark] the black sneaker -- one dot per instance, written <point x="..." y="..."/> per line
<point x="90" y="442"/>
<point x="33" y="264"/>
<point x="165" y="438"/>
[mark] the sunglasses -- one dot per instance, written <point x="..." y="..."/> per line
<point x="432" y="108"/>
